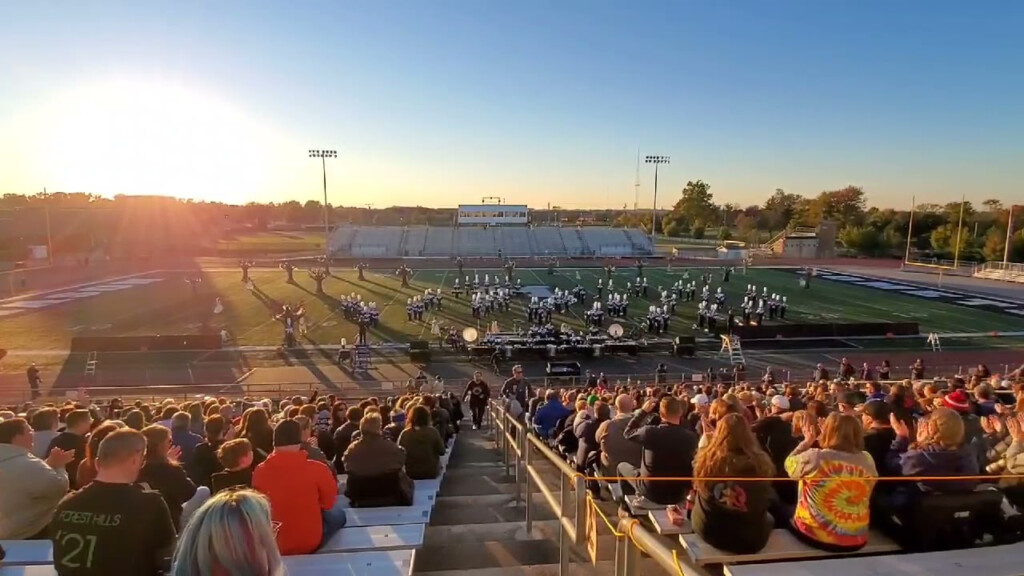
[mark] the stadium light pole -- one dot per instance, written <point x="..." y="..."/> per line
<point x="323" y="155"/>
<point x="656" y="160"/>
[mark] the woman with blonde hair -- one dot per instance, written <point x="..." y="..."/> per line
<point x="833" y="501"/>
<point x="732" y="515"/>
<point x="230" y="534"/>
<point x="719" y="409"/>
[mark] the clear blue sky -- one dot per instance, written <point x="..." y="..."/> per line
<point x="441" y="102"/>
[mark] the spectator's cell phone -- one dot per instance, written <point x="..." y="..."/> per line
<point x="676" y="515"/>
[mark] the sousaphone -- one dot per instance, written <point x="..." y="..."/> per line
<point x="470" y="334"/>
<point x="616" y="331"/>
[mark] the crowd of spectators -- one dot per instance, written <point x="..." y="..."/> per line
<point x="827" y="460"/>
<point x="231" y="485"/>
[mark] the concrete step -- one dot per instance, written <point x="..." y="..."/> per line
<point x="602" y="569"/>
<point x="477" y="515"/>
<point x="496" y="532"/>
<point x="503" y="554"/>
<point x="477" y="527"/>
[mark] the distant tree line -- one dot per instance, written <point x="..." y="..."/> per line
<point x="151" y="225"/>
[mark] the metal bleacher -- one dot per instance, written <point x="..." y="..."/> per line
<point x="1002" y="271"/>
<point x="515" y="241"/>
<point x="573" y="241"/>
<point x="439" y="242"/>
<point x="377" y="242"/>
<point x="512" y="241"/>
<point x="608" y="241"/>
<point x="548" y="242"/>
<point x="415" y="240"/>
<point x="374" y="542"/>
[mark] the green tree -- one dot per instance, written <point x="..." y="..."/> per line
<point x="845" y="206"/>
<point x="943" y="240"/>
<point x="994" y="244"/>
<point x="697" y="232"/>
<point x="865" y="240"/>
<point x="993" y="205"/>
<point x="697" y="204"/>
<point x="724" y="233"/>
<point x="672" y="229"/>
<point x="780" y="209"/>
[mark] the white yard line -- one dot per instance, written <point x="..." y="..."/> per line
<point x="73" y="287"/>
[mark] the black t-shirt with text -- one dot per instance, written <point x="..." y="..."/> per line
<point x="106" y="529"/>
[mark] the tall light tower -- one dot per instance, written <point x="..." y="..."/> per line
<point x="323" y="155"/>
<point x="656" y="160"/>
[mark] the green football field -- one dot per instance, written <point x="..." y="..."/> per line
<point x="169" y="307"/>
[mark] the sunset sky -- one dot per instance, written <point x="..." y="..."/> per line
<point x="443" y="102"/>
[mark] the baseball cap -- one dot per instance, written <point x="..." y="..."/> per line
<point x="701" y="400"/>
<point x="878" y="410"/>
<point x="780" y="402"/>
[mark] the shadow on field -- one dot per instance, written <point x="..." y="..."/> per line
<point x="299" y="357"/>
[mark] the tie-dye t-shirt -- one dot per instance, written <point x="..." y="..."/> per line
<point x="833" y="505"/>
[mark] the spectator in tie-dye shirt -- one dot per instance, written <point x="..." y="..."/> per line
<point x="832" y="510"/>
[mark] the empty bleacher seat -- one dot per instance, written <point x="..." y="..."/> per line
<point x="47" y="570"/>
<point x="387" y="516"/>
<point x="782" y="545"/>
<point x="393" y="563"/>
<point x="380" y="538"/>
<point x="27" y="552"/>
<point x="987" y="561"/>
<point x="372" y="563"/>
<point x="548" y="241"/>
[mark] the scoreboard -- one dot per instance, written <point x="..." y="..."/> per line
<point x="495" y="214"/>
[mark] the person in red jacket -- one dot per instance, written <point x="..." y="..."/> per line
<point x="302" y="493"/>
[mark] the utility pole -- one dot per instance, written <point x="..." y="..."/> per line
<point x="49" y="235"/>
<point x="1009" y="235"/>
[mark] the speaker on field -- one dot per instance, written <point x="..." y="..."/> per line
<point x="419" y="351"/>
<point x="684" y="346"/>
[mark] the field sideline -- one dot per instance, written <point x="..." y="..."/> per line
<point x="168" y="307"/>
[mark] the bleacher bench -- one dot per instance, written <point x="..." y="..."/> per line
<point x="782" y="545"/>
<point x="664" y="526"/>
<point x="28" y="570"/>
<point x="379" y="538"/>
<point x="394" y="563"/>
<point x="27" y="552"/>
<point x="426" y="486"/>
<point x="988" y="561"/>
<point x="419" y="498"/>
<point x="387" y="516"/>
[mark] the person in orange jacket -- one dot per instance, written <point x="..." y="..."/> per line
<point x="302" y="493"/>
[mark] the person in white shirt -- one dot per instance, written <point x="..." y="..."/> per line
<point x="31" y="488"/>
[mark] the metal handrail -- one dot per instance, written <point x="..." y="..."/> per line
<point x="570" y="508"/>
<point x="631" y="538"/>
